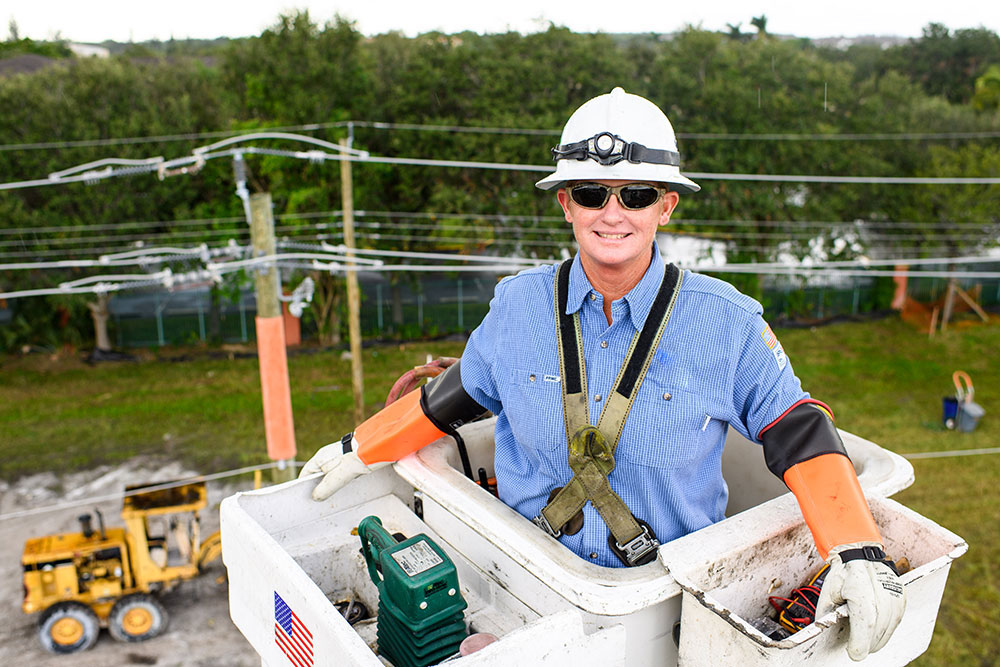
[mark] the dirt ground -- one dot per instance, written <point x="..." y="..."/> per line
<point x="200" y="632"/>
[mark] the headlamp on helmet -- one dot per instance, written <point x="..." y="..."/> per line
<point x="610" y="149"/>
<point x="618" y="136"/>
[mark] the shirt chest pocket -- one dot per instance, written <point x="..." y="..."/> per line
<point x="666" y="428"/>
<point x="534" y="408"/>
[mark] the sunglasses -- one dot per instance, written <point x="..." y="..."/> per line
<point x="633" y="196"/>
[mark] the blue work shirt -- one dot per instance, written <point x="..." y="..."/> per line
<point x="717" y="364"/>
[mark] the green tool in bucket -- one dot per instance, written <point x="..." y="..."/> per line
<point x="420" y="609"/>
<point x="968" y="413"/>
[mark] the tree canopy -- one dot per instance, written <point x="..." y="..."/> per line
<point x="728" y="96"/>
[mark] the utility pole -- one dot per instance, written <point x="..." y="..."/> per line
<point x="279" y="428"/>
<point x="353" y="291"/>
<point x="99" y="313"/>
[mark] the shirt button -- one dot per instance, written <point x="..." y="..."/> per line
<point x="593" y="555"/>
<point x="604" y="344"/>
<point x="667" y="396"/>
<point x="531" y="378"/>
<point x="593" y="297"/>
<point x="597" y="397"/>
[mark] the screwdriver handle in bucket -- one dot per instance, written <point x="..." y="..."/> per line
<point x="374" y="541"/>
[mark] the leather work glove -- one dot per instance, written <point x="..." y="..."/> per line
<point x="338" y="468"/>
<point x="872" y="590"/>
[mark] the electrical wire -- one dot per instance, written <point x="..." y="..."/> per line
<point x="384" y="230"/>
<point x="558" y="220"/>
<point x="201" y="154"/>
<point x="378" y="125"/>
<point x="405" y="253"/>
<point x="153" y="487"/>
<point x="374" y="236"/>
<point x="235" y="472"/>
<point x="884" y="252"/>
<point x="954" y="452"/>
<point x="84" y="239"/>
<point x="212" y="272"/>
<point x="140" y="224"/>
<point x="875" y="273"/>
<point x="163" y="236"/>
<point x="159" y="139"/>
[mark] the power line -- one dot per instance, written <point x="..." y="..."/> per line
<point x="724" y="136"/>
<point x="931" y="235"/>
<point x="375" y="225"/>
<point x="162" y="138"/>
<point x="200" y="155"/>
<point x="326" y="247"/>
<point x="138" y="257"/>
<point x="157" y="487"/>
<point x="471" y="129"/>
<point x="870" y="239"/>
<point x="83" y="240"/>
<point x="861" y="225"/>
<point x="119" y="225"/>
<point x="335" y="258"/>
<point x="946" y="454"/>
<point x="869" y="136"/>
<point x="310" y="233"/>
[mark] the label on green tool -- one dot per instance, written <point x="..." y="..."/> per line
<point x="416" y="558"/>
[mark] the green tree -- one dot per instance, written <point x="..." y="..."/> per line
<point x="299" y="72"/>
<point x="946" y="63"/>
<point x="987" y="97"/>
<point x="760" y="22"/>
<point x="98" y="99"/>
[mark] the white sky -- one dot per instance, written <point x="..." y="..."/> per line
<point x="138" y="20"/>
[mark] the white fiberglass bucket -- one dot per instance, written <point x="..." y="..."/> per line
<point x="541" y="600"/>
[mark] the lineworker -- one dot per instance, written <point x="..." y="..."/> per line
<point x="614" y="378"/>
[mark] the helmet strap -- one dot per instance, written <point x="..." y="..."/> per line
<point x="608" y="149"/>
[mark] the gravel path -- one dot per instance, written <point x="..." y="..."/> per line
<point x="200" y="633"/>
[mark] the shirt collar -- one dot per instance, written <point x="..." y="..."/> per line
<point x="639" y="299"/>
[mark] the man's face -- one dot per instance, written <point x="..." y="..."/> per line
<point x="616" y="239"/>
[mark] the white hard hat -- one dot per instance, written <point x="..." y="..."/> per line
<point x="618" y="136"/>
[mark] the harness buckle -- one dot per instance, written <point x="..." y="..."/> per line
<point x="543" y="523"/>
<point x="639" y="550"/>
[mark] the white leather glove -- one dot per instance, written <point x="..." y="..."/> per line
<point x="338" y="469"/>
<point x="874" y="595"/>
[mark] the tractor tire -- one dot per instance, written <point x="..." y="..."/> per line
<point x="68" y="627"/>
<point x="136" y="618"/>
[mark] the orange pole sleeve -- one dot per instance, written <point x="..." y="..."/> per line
<point x="832" y="502"/>
<point x="395" y="431"/>
<point x="279" y="428"/>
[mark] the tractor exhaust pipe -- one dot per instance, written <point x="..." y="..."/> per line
<point x="85" y="526"/>
<point x="100" y="523"/>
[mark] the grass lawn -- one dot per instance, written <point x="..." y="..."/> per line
<point x="884" y="381"/>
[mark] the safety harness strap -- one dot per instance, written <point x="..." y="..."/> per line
<point x="591" y="449"/>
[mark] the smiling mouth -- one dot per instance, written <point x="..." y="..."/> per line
<point x="606" y="235"/>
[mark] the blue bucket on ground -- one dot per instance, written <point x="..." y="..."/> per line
<point x="950" y="411"/>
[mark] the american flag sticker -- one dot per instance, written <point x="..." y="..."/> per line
<point x="772" y="344"/>
<point x="769" y="338"/>
<point x="291" y="635"/>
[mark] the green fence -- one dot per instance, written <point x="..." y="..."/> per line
<point x="425" y="308"/>
<point x="438" y="306"/>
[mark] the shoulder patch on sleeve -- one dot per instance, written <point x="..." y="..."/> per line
<point x="771" y="341"/>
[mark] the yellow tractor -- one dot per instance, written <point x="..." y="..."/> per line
<point x="108" y="577"/>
